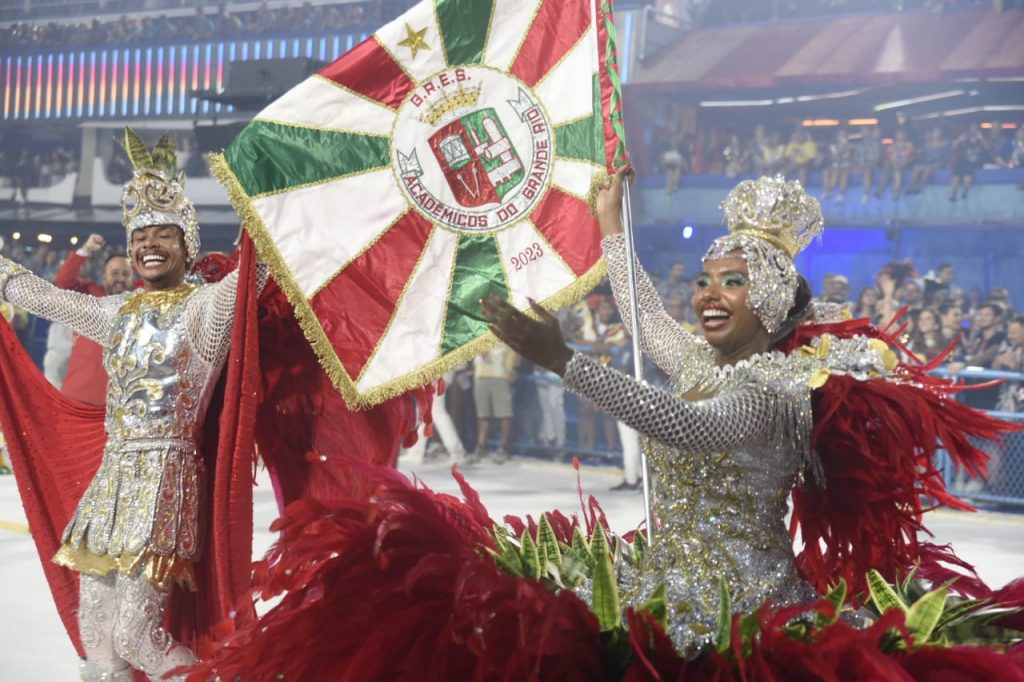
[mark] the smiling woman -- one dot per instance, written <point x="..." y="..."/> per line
<point x="778" y="395"/>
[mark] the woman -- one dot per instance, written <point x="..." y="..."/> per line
<point x="867" y="302"/>
<point x="926" y="339"/>
<point x="417" y="572"/>
<point x="735" y="436"/>
<point x="837" y="174"/>
<point x="748" y="294"/>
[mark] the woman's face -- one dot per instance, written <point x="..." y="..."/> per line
<point x="720" y="301"/>
<point x="868" y="298"/>
<point x="927" y="322"/>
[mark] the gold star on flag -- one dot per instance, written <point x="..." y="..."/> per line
<point x="414" y="40"/>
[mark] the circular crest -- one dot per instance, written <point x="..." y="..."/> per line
<point x="472" y="149"/>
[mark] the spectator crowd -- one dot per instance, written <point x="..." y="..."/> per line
<point x="900" y="161"/>
<point x="203" y="24"/>
<point x="497" y="405"/>
<point x="37" y="165"/>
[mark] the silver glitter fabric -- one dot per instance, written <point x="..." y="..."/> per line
<point x="770" y="220"/>
<point x="680" y="354"/>
<point x="773" y="277"/>
<point x="88" y="315"/>
<point x="95" y="627"/>
<point x="120" y="619"/>
<point x="151" y="198"/>
<point x="139" y="634"/>
<point x="163" y="352"/>
<point x="724" y="464"/>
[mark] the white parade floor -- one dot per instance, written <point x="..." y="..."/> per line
<point x="34" y="646"/>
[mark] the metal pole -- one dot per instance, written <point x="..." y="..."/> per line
<point x="638" y="362"/>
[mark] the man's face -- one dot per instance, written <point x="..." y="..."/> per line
<point x="911" y="293"/>
<point x="159" y="255"/>
<point x="676" y="309"/>
<point x="605" y="312"/>
<point x="677" y="272"/>
<point x="837" y="289"/>
<point x="984" y="318"/>
<point x="117" y="275"/>
<point x="946" y="275"/>
<point x="1015" y="334"/>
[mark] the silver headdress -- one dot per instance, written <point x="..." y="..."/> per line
<point x="156" y="193"/>
<point x="770" y="221"/>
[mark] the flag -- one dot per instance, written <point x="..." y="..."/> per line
<point x="448" y="156"/>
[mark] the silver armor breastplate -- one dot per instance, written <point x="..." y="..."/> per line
<point x="157" y="380"/>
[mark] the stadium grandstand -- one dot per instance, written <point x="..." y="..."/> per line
<point x="905" y="118"/>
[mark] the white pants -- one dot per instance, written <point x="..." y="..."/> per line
<point x="120" y="619"/>
<point x="630" y="452"/>
<point x="551" y="398"/>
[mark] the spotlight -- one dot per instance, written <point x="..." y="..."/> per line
<point x="44" y="238"/>
<point x="74" y="241"/>
<point x="687" y="231"/>
<point x="16" y="236"/>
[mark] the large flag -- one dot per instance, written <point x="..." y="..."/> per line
<point x="448" y="156"/>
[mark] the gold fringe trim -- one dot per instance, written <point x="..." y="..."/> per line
<point x="158" y="570"/>
<point x="314" y="333"/>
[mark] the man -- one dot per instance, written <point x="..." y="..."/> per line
<point x="7" y="311"/>
<point x="984" y="345"/>
<point x="836" y="289"/>
<point x="945" y="274"/>
<point x="1011" y="359"/>
<point x="986" y="337"/>
<point x="137" y="528"/>
<point x="86" y="378"/>
<point x="494" y="375"/>
<point x="910" y="295"/>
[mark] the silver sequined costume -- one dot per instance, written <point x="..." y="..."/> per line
<point x="163" y="352"/>
<point x="724" y="464"/>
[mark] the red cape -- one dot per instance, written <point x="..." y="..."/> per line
<point x="277" y="392"/>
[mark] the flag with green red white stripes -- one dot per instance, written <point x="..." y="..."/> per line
<point x="449" y="156"/>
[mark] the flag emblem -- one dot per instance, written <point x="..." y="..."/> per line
<point x="472" y="149"/>
<point x="448" y="157"/>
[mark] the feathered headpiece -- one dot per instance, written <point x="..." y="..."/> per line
<point x="770" y="221"/>
<point x="156" y="193"/>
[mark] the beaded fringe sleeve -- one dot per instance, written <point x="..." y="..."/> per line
<point x="662" y="339"/>
<point x="90" y="316"/>
<point x="745" y="412"/>
<point x="211" y="313"/>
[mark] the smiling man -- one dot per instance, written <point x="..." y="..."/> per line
<point x="138" y="528"/>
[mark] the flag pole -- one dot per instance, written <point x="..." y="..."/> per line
<point x="638" y="362"/>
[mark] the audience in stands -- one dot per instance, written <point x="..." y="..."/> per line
<point x="937" y="309"/>
<point x="204" y="24"/>
<point x="38" y="165"/>
<point x="900" y="156"/>
<point x="969" y="154"/>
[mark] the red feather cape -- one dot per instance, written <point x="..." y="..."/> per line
<point x="272" y="392"/>
<point x="877" y="441"/>
<point x="396" y="587"/>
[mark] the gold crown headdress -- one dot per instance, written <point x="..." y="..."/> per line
<point x="156" y="193"/>
<point x="770" y="221"/>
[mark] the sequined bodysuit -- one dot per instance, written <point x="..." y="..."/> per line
<point x="724" y="464"/>
<point x="163" y="352"/>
